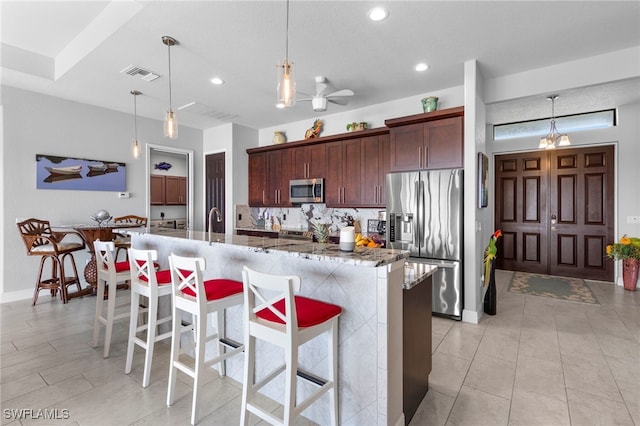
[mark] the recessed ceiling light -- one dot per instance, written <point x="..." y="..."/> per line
<point x="217" y="80"/>
<point x="378" y="14"/>
<point x="422" y="67"/>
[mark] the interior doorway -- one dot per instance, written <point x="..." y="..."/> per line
<point x="215" y="184"/>
<point x="169" y="186"/>
<point x="556" y="211"/>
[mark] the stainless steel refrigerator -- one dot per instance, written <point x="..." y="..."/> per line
<point x="424" y="216"/>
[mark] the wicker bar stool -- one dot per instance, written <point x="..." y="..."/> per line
<point x="50" y="245"/>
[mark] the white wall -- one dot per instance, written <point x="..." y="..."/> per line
<point x="375" y="115"/>
<point x="38" y="124"/>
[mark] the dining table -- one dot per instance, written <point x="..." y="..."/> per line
<point x="90" y="233"/>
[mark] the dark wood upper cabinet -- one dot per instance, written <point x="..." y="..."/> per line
<point x="157" y="190"/>
<point x="168" y="190"/>
<point x="374" y="168"/>
<point x="343" y="173"/>
<point x="175" y="190"/>
<point x="308" y="161"/>
<point x="354" y="165"/>
<point x="432" y="140"/>
<point x="339" y="159"/>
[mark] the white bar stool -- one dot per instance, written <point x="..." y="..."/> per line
<point x="145" y="281"/>
<point x="109" y="273"/>
<point x="191" y="294"/>
<point x="273" y="314"/>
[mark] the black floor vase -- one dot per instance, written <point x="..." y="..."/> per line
<point x="490" y="295"/>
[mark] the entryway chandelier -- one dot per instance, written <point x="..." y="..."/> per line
<point x="286" y="89"/>
<point x="136" y="144"/>
<point x="554" y="138"/>
<point x="170" y="118"/>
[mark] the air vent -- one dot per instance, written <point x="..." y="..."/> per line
<point x="207" y="111"/>
<point x="133" y="70"/>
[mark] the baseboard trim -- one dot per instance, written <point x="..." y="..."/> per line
<point x="14" y="296"/>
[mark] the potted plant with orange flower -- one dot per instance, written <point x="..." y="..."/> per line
<point x="627" y="250"/>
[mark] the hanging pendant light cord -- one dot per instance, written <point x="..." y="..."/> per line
<point x="135" y="117"/>
<point x="170" y="103"/>
<point x="286" y="57"/>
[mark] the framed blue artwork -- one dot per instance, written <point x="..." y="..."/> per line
<point x="53" y="172"/>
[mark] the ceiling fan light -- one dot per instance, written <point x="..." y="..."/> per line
<point x="319" y="103"/>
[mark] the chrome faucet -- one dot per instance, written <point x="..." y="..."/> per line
<point x="214" y="210"/>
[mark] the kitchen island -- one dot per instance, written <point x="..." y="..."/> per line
<point x="366" y="283"/>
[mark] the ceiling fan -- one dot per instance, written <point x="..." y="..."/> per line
<point x="319" y="100"/>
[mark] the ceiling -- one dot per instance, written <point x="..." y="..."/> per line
<point x="77" y="49"/>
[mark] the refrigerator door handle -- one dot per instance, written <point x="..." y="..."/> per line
<point x="416" y="217"/>
<point x="420" y="229"/>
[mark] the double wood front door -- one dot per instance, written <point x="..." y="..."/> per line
<point x="556" y="211"/>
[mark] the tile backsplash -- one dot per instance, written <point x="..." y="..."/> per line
<point x="302" y="217"/>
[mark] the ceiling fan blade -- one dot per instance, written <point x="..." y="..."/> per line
<point x="304" y="99"/>
<point x="343" y="92"/>
<point x="338" y="101"/>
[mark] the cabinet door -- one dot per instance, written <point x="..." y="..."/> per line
<point x="351" y="172"/>
<point x="182" y="188"/>
<point x="342" y="173"/>
<point x="172" y="190"/>
<point x="384" y="167"/>
<point x="300" y="158"/>
<point x="374" y="169"/>
<point x="156" y="192"/>
<point x="370" y="170"/>
<point x="308" y="162"/>
<point x="257" y="179"/>
<point x="333" y="174"/>
<point x="279" y="172"/>
<point x="407" y="147"/>
<point x="443" y="142"/>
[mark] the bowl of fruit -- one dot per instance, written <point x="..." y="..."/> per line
<point x="371" y="241"/>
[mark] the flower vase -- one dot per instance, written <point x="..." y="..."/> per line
<point x="490" y="295"/>
<point x="630" y="273"/>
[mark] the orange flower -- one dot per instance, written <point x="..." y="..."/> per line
<point x="609" y="248"/>
<point x="625" y="241"/>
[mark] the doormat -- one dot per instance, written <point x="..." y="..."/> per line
<point x="564" y="288"/>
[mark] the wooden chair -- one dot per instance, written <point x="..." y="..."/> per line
<point x="193" y="295"/>
<point x="123" y="241"/>
<point x="50" y="245"/>
<point x="274" y="315"/>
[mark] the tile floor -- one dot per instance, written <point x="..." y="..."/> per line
<point x="537" y="362"/>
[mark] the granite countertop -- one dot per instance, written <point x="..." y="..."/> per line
<point x="361" y="256"/>
<point x="415" y="273"/>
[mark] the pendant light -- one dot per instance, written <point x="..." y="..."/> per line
<point x="554" y="138"/>
<point x="170" y="117"/>
<point x="136" y="144"/>
<point x="286" y="89"/>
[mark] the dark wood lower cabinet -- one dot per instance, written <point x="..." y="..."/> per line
<point x="416" y="352"/>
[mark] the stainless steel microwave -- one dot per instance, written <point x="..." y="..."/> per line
<point x="306" y="191"/>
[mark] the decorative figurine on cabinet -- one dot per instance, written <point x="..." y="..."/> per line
<point x="314" y="131"/>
